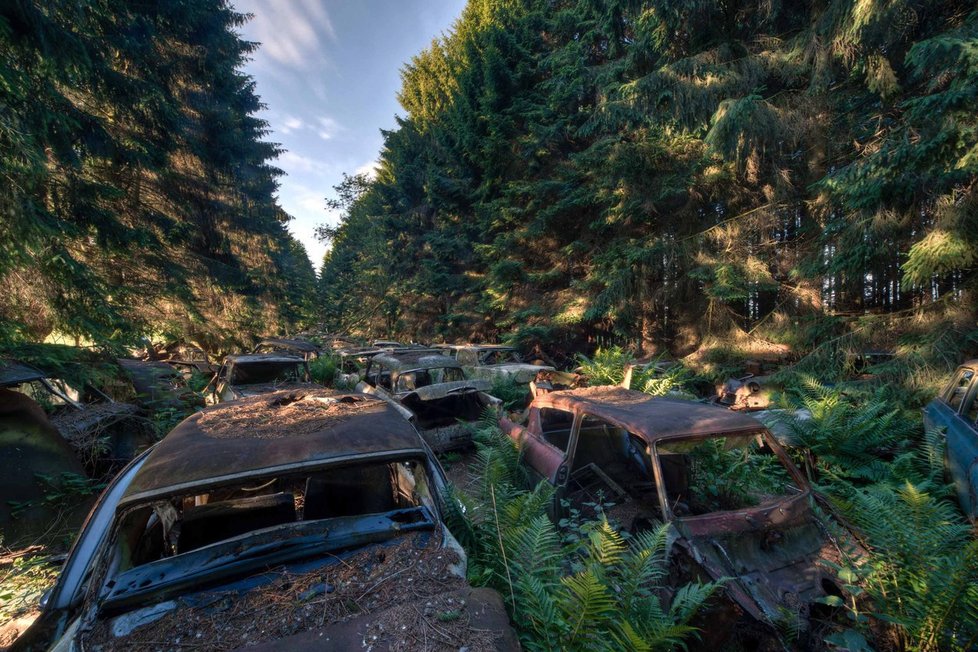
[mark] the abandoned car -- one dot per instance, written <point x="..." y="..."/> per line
<point x="252" y="374"/>
<point x="159" y="385"/>
<point x="744" y="394"/>
<point x="351" y="363"/>
<point x="290" y="520"/>
<point x="103" y="432"/>
<point x="955" y="410"/>
<point x="297" y="347"/>
<point x="493" y="362"/>
<point x="432" y="392"/>
<point x="737" y="505"/>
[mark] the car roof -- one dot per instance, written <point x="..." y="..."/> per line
<point x="360" y="351"/>
<point x="285" y="343"/>
<point x="15" y="373"/>
<point x="418" y="359"/>
<point x="246" y="358"/>
<point x="495" y="347"/>
<point x="649" y="417"/>
<point x="281" y="431"/>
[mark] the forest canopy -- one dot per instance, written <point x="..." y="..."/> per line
<point x="138" y="188"/>
<point x="659" y="172"/>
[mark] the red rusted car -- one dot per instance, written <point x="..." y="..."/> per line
<point x="738" y="506"/>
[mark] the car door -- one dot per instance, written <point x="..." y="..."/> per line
<point x="548" y="449"/>
<point x="956" y="411"/>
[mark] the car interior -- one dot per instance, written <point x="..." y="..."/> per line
<point x="185" y="523"/>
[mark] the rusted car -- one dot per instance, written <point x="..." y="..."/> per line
<point x="259" y="373"/>
<point x="955" y="410"/>
<point x="159" y="385"/>
<point x="351" y="363"/>
<point x="738" y="506"/>
<point x="430" y="390"/>
<point x="744" y="394"/>
<point x="292" y="520"/>
<point x="103" y="432"/>
<point x="493" y="362"/>
<point x="291" y="346"/>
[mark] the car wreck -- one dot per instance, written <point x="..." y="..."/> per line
<point x="955" y="411"/>
<point x="431" y="391"/>
<point x="351" y="363"/>
<point x="253" y="374"/>
<point x="159" y="385"/>
<point x="291" y="520"/>
<point x="291" y="346"/>
<point x="737" y="505"/>
<point x="101" y="430"/>
<point x="494" y="362"/>
<point x="744" y="394"/>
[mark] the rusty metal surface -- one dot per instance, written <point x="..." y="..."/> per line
<point x="651" y="418"/>
<point x="189" y="456"/>
<point x="286" y="344"/>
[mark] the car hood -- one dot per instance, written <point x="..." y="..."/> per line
<point x="770" y="553"/>
<point x="441" y="390"/>
<point x="307" y="605"/>
<point x="241" y="391"/>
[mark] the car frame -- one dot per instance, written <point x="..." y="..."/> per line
<point x="443" y="412"/>
<point x="472" y="357"/>
<point x="733" y="544"/>
<point x="955" y="411"/>
<point x="297" y="347"/>
<point x="224" y="389"/>
<point x="344" y="432"/>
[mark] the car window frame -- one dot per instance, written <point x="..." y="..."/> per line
<point x="949" y="391"/>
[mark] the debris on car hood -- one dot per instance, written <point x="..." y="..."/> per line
<point x="356" y="600"/>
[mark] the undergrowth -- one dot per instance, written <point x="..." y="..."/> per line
<point x="657" y="378"/>
<point x="917" y="587"/>
<point x="584" y="586"/>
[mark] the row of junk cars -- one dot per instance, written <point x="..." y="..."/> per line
<point x="290" y="516"/>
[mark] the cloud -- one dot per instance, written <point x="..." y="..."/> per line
<point x="291" y="123"/>
<point x="328" y="128"/>
<point x="292" y="162"/>
<point x="292" y="32"/>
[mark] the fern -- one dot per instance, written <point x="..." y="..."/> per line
<point x="586" y="588"/>
<point x="922" y="575"/>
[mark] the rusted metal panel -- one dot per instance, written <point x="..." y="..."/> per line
<point x="649" y="417"/>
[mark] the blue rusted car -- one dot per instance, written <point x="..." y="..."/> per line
<point x="955" y="410"/>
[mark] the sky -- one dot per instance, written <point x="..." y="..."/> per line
<point x="329" y="72"/>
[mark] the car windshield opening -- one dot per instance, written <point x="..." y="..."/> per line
<point x="265" y="372"/>
<point x="408" y="381"/>
<point x="717" y="474"/>
<point x="612" y="469"/>
<point x="186" y="523"/>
